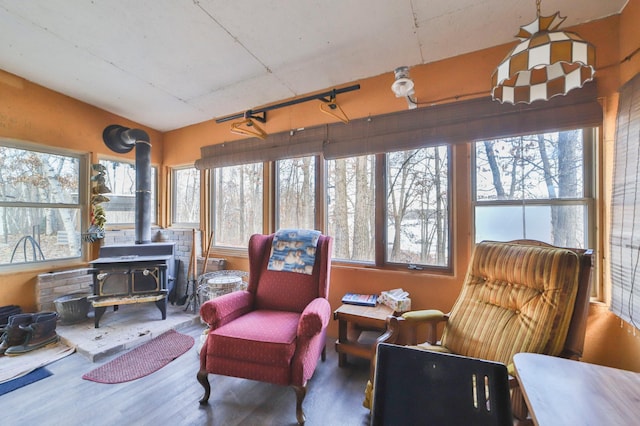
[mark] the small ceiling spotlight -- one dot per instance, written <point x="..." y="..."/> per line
<point x="403" y="86"/>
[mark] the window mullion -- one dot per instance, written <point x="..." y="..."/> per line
<point x="381" y="209"/>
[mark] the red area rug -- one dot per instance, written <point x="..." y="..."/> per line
<point x="143" y="360"/>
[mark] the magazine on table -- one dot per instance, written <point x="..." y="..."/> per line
<point x="360" y="299"/>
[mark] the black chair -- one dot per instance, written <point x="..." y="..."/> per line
<point x="418" y="387"/>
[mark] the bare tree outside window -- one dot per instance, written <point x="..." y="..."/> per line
<point x="295" y="188"/>
<point x="186" y="196"/>
<point x="533" y="187"/>
<point x="120" y="177"/>
<point x="40" y="214"/>
<point x="418" y="206"/>
<point x="351" y="207"/>
<point x="237" y="204"/>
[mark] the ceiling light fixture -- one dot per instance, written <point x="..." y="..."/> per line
<point x="545" y="63"/>
<point x="403" y="86"/>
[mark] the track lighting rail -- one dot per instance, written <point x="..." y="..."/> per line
<point x="331" y="95"/>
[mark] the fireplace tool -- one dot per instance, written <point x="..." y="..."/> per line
<point x="192" y="298"/>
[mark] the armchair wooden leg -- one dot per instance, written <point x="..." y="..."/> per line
<point x="323" y="356"/>
<point x="301" y="392"/>
<point x="203" y="378"/>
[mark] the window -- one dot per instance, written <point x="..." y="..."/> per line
<point x="351" y="207"/>
<point x="418" y="206"/>
<point x="40" y="212"/>
<point x="414" y="203"/>
<point x="237" y="204"/>
<point x="186" y="196"/>
<point x="121" y="179"/>
<point x="390" y="233"/>
<point x="535" y="187"/>
<point x="296" y="193"/>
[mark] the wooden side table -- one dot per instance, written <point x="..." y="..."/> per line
<point x="353" y="320"/>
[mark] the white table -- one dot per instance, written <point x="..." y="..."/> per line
<point x="559" y="391"/>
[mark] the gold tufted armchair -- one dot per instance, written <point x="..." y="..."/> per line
<point x="518" y="296"/>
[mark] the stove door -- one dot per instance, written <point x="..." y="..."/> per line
<point x="146" y="280"/>
<point x="113" y="283"/>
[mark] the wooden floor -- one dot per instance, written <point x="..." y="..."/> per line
<point x="170" y="397"/>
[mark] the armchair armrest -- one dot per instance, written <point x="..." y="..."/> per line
<point x="402" y="330"/>
<point x="222" y="309"/>
<point x="314" y="318"/>
<point x="427" y="315"/>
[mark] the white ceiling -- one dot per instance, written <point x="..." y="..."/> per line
<point x="170" y="63"/>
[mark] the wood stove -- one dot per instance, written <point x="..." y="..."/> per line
<point x="132" y="273"/>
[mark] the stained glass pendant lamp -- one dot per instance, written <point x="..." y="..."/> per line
<point x="545" y="63"/>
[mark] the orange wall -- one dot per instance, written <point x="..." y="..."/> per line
<point x="30" y="112"/>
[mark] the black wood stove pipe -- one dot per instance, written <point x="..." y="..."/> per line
<point x="122" y="140"/>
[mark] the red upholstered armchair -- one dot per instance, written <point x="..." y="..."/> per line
<point x="275" y="330"/>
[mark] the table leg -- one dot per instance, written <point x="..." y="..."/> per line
<point x="342" y="339"/>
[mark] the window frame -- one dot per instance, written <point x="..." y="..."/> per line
<point x="443" y="269"/>
<point x="376" y="231"/>
<point x="212" y="219"/>
<point x="270" y="200"/>
<point x="589" y="174"/>
<point x="81" y="204"/>
<point x="316" y="193"/>
<point x="174" y="198"/>
<point x="155" y="201"/>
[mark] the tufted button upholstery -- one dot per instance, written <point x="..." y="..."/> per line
<point x="519" y="299"/>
